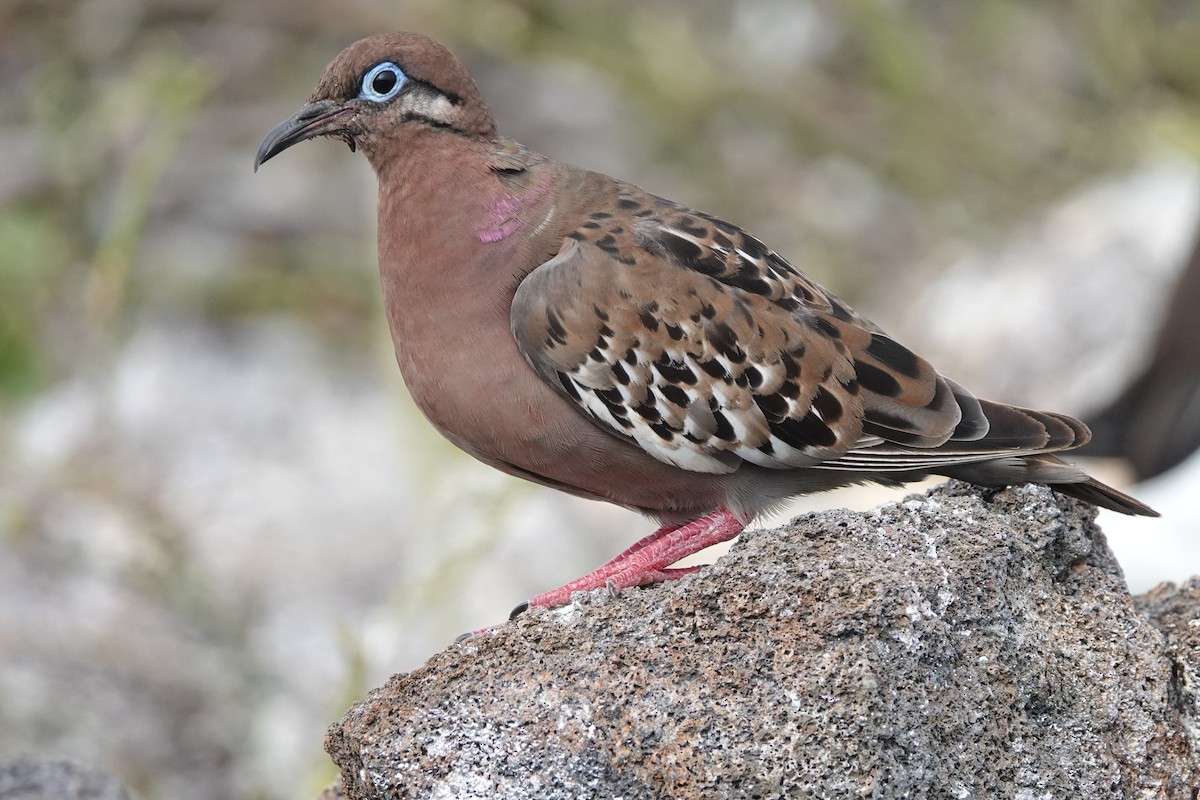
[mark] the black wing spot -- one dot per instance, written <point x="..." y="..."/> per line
<point x="888" y="351"/>
<point x="749" y="279"/>
<point x="628" y="203"/>
<point x="689" y="254"/>
<point x="790" y="390"/>
<point x="712" y="264"/>
<point x="778" y="264"/>
<point x="620" y="374"/>
<point x="841" y="312"/>
<point x="821" y="325"/>
<point x="773" y="406"/>
<point x="648" y="412"/>
<point x="613" y="399"/>
<point x="569" y="385"/>
<point x="557" y="332"/>
<point x="675" y="373"/>
<point x="663" y="430"/>
<point x="827" y="405"/>
<point x="876" y="380"/>
<point x="724" y="429"/>
<point x="648" y="319"/>
<point x="675" y="395"/>
<point x="753" y="247"/>
<point x="683" y="250"/>
<point x="715" y="369"/>
<point x="807" y="432"/>
<point x="725" y="342"/>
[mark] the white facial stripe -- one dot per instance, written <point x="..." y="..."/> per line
<point x="429" y="105"/>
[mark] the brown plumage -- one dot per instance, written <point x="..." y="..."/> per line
<point x="579" y="332"/>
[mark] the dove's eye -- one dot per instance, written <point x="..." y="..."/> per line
<point x="382" y="82"/>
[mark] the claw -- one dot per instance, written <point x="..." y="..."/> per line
<point x="462" y="637"/>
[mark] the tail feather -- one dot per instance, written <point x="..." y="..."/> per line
<point x="1060" y="476"/>
<point x="1013" y="427"/>
<point x="1101" y="494"/>
<point x="1024" y="428"/>
<point x="994" y="444"/>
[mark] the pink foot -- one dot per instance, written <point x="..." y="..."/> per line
<point x="649" y="560"/>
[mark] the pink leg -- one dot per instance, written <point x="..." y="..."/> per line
<point x="649" y="560"/>
<point x="640" y="544"/>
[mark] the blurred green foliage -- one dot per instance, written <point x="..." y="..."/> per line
<point x="971" y="112"/>
<point x="997" y="102"/>
<point x="68" y="246"/>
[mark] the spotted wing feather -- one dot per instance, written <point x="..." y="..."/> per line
<point x="689" y="337"/>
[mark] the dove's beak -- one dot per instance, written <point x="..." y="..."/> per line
<point x="321" y="118"/>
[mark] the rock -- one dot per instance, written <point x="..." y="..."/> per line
<point x="950" y="645"/>
<point x="1175" y="610"/>
<point x="32" y="778"/>
<point x="333" y="792"/>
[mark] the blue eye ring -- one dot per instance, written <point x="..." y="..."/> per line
<point x="382" y="82"/>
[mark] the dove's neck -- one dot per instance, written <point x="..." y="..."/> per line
<point x="455" y="239"/>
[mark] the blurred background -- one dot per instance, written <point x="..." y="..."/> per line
<point x="221" y="519"/>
